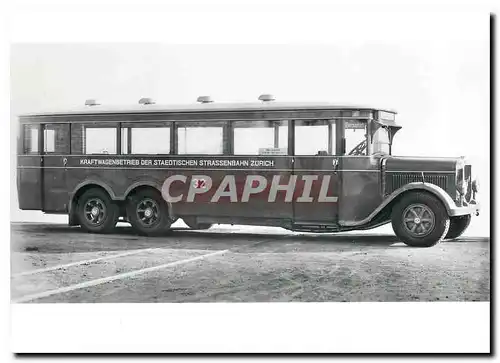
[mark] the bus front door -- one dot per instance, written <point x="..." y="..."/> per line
<point x="360" y="186"/>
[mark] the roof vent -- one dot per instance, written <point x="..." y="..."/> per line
<point x="205" y="99"/>
<point x="91" y="102"/>
<point x="266" y="98"/>
<point x="146" y="101"/>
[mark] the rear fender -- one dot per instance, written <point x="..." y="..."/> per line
<point x="431" y="188"/>
<point x="71" y="205"/>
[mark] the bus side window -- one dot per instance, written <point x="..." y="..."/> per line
<point x="87" y="140"/>
<point x="205" y="140"/>
<point x="315" y="137"/>
<point x="355" y="135"/>
<point x="146" y="139"/>
<point x="56" y="139"/>
<point x="30" y="139"/>
<point x="260" y="137"/>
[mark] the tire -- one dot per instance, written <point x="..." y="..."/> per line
<point x="458" y="225"/>
<point x="191" y="223"/>
<point x="420" y="220"/>
<point x="96" y="212"/>
<point x="148" y="212"/>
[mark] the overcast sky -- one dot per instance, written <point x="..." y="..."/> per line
<point x="438" y="81"/>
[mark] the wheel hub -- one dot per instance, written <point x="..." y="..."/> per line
<point x="148" y="212"/>
<point x="94" y="211"/>
<point x="418" y="220"/>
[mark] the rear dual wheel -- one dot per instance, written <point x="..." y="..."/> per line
<point x="147" y="212"/>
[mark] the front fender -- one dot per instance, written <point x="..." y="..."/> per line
<point x="444" y="197"/>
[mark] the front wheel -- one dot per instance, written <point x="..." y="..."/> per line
<point x="458" y="225"/>
<point x="420" y="220"/>
<point x="148" y="212"/>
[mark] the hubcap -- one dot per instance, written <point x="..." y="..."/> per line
<point x="148" y="212"/>
<point x="94" y="211"/>
<point x="418" y="220"/>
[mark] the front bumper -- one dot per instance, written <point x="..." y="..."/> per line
<point x="461" y="211"/>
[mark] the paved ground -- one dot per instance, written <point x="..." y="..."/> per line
<point x="56" y="263"/>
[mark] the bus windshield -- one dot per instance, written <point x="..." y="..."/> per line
<point x="380" y="141"/>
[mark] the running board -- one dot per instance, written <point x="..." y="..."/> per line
<point x="315" y="228"/>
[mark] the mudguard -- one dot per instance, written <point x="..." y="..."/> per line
<point x="451" y="207"/>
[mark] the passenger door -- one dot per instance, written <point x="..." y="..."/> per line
<point x="316" y="168"/>
<point x="56" y="148"/>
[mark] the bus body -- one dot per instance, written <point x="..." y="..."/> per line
<point x="305" y="167"/>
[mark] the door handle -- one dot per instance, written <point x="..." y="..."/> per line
<point x="335" y="164"/>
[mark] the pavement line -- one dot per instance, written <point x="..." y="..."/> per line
<point x="82" y="262"/>
<point x="104" y="280"/>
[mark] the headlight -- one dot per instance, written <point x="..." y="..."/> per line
<point x="475" y="186"/>
<point x="462" y="187"/>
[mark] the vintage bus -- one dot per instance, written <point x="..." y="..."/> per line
<point x="313" y="167"/>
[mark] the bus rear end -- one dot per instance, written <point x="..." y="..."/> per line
<point x="29" y="172"/>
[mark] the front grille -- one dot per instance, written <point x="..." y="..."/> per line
<point x="397" y="180"/>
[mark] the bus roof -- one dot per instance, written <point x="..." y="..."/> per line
<point x="205" y="107"/>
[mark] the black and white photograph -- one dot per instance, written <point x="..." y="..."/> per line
<point x="174" y="175"/>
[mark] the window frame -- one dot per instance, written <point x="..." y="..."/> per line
<point x="333" y="123"/>
<point x="277" y="124"/>
<point x="39" y="143"/>
<point x="367" y="121"/>
<point x="128" y="125"/>
<point x="212" y="123"/>
<point x="67" y="137"/>
<point x="100" y="125"/>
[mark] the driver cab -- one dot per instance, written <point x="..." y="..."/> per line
<point x="366" y="140"/>
<point x="352" y="133"/>
<point x="346" y="146"/>
<point x="368" y="136"/>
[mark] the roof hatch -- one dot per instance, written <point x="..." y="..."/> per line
<point x="267" y="98"/>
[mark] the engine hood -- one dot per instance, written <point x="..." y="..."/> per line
<point x="421" y="164"/>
